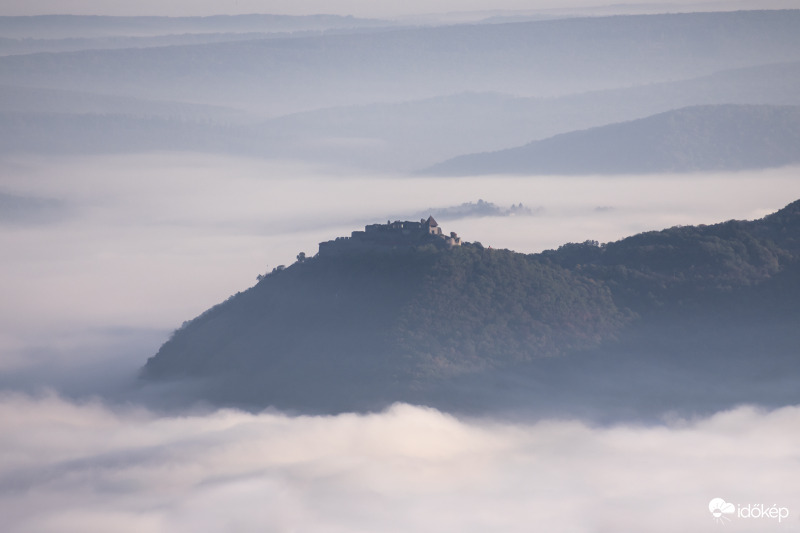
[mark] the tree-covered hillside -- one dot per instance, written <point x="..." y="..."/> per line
<point x="690" y="267"/>
<point x="360" y="329"/>
<point x="378" y="320"/>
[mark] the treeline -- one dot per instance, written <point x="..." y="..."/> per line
<point x="724" y="266"/>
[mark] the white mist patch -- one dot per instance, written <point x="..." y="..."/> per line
<point x="83" y="467"/>
<point x="609" y="208"/>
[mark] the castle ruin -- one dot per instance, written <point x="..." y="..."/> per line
<point x="397" y="234"/>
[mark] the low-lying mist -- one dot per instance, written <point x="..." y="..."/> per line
<point x="82" y="467"/>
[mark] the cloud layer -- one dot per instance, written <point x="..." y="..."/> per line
<point x="70" y="467"/>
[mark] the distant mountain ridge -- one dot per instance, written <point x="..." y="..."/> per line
<point x="544" y="58"/>
<point x="402" y="137"/>
<point x="361" y="328"/>
<point x="697" y="138"/>
<point x="98" y="26"/>
<point x="361" y="95"/>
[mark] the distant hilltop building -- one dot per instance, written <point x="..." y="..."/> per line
<point x="397" y="234"/>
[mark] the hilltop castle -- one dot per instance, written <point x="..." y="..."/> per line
<point x="397" y="234"/>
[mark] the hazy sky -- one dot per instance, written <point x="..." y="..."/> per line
<point x="361" y="8"/>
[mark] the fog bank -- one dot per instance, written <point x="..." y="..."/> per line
<point x="85" y="468"/>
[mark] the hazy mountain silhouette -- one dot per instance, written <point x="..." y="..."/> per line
<point x="415" y="134"/>
<point x="53" y="27"/>
<point x="543" y="58"/>
<point x="585" y="328"/>
<point x="402" y="136"/>
<point x="721" y="137"/>
<point x="351" y="93"/>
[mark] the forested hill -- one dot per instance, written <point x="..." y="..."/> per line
<point x="361" y="329"/>
<point x="388" y="318"/>
<point x="696" y="267"/>
<point x="697" y="138"/>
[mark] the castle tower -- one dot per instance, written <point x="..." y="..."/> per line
<point x="432" y="226"/>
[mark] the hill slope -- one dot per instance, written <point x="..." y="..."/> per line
<point x="366" y="322"/>
<point x="715" y="137"/>
<point x="470" y="327"/>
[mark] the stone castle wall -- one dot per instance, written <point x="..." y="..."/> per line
<point x="398" y="234"/>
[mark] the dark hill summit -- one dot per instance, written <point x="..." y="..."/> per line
<point x="372" y="319"/>
<point x="364" y="317"/>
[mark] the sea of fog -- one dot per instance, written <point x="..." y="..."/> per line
<point x="72" y="467"/>
<point x="103" y="256"/>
